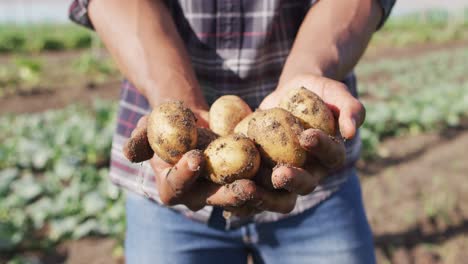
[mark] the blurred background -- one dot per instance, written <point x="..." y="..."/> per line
<point x="58" y="93"/>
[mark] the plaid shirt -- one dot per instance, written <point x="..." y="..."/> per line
<point x="236" y="47"/>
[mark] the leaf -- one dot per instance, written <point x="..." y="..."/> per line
<point x="93" y="203"/>
<point x="26" y="188"/>
<point x="6" y="177"/>
<point x="9" y="237"/>
<point x="85" y="228"/>
<point x="40" y="158"/>
<point x="39" y="211"/>
<point x="61" y="227"/>
<point x="63" y="169"/>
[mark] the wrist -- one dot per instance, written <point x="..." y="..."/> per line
<point x="303" y="62"/>
<point x="174" y="86"/>
<point x="294" y="79"/>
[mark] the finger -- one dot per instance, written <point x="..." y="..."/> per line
<point x="208" y="193"/>
<point x="174" y="181"/>
<point x="137" y="147"/>
<point x="231" y="195"/>
<point x="351" y="113"/>
<point x="268" y="102"/>
<point x="202" y="118"/>
<point x="143" y="121"/>
<point x="158" y="165"/>
<point x="274" y="201"/>
<point x="330" y="151"/>
<point x="297" y="180"/>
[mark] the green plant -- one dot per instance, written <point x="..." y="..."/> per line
<point x="412" y="95"/>
<point x="28" y="70"/>
<point x="93" y="65"/>
<point x="44" y="37"/>
<point x="53" y="178"/>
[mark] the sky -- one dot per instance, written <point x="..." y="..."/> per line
<point x="21" y="11"/>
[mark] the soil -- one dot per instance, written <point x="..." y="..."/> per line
<point x="55" y="99"/>
<point x="375" y="54"/>
<point x="414" y="197"/>
<point x="64" y="85"/>
<point x="425" y="184"/>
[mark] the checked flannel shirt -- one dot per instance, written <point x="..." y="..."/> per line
<point x="236" y="47"/>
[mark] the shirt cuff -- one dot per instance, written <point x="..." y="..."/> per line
<point x="386" y="6"/>
<point x="78" y="13"/>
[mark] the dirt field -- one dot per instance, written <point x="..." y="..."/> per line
<point x="414" y="197"/>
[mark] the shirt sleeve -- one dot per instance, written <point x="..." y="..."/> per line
<point x="78" y="13"/>
<point x="386" y="6"/>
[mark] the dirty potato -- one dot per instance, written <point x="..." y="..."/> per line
<point x="276" y="132"/>
<point x="230" y="158"/>
<point x="226" y="113"/>
<point x="310" y="109"/>
<point x="172" y="131"/>
<point x="243" y="126"/>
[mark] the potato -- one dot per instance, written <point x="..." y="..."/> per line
<point x="243" y="126"/>
<point x="226" y="113"/>
<point x="277" y="132"/>
<point x="172" y="131"/>
<point x="310" y="109"/>
<point x="205" y="137"/>
<point x="230" y="158"/>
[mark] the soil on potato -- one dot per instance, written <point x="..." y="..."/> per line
<point x="414" y="197"/>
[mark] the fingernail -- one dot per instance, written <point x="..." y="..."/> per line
<point x="313" y="140"/>
<point x="193" y="165"/>
<point x="309" y="140"/>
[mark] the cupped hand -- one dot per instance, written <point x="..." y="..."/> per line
<point x="184" y="183"/>
<point x="326" y="154"/>
<point x="347" y="109"/>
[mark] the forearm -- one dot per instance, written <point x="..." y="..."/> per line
<point x="332" y="38"/>
<point x="143" y="40"/>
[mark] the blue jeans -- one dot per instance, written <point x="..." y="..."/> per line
<point x="335" y="231"/>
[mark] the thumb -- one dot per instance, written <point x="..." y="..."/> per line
<point x="137" y="147"/>
<point x="351" y="117"/>
<point x="350" y="111"/>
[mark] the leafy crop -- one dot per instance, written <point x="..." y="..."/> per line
<point x="53" y="177"/>
<point x="91" y="64"/>
<point x="24" y="73"/>
<point x="44" y="37"/>
<point x="411" y="95"/>
<point x="432" y="26"/>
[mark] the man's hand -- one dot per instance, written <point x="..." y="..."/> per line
<point x="184" y="183"/>
<point x="326" y="154"/>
